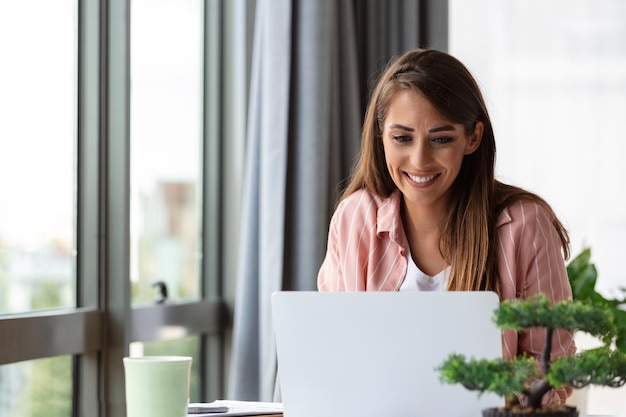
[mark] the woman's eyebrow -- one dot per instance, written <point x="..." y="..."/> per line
<point x="445" y="128"/>
<point x="399" y="126"/>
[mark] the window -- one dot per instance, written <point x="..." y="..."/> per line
<point x="37" y="120"/>
<point x="38" y="387"/>
<point x="166" y="147"/>
<point x="112" y="171"/>
<point x="554" y="78"/>
<point x="38" y="185"/>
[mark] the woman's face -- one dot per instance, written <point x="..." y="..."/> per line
<point x="424" y="150"/>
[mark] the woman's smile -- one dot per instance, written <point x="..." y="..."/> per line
<point x="422" y="180"/>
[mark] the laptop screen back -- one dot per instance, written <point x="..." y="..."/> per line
<point x="366" y="354"/>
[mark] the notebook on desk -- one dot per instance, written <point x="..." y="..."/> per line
<point x="374" y="354"/>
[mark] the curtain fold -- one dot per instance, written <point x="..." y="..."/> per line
<point x="263" y="209"/>
<point x="311" y="73"/>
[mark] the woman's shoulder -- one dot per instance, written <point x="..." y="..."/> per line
<point x="516" y="205"/>
<point x="524" y="211"/>
<point x="364" y="199"/>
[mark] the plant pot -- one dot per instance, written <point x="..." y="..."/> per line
<point x="560" y="411"/>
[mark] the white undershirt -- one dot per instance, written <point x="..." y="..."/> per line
<point x="416" y="280"/>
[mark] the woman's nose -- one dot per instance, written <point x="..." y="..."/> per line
<point x="420" y="153"/>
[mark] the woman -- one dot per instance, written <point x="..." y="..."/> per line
<point x="423" y="210"/>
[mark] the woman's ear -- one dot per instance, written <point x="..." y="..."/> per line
<point x="474" y="139"/>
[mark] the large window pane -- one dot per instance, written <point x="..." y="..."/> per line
<point x="42" y="387"/>
<point x="166" y="98"/>
<point x="37" y="150"/>
<point x="554" y="77"/>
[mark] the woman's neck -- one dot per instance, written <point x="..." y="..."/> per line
<point x="422" y="227"/>
<point x="423" y="218"/>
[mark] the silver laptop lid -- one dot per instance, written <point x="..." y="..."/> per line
<point x="366" y="354"/>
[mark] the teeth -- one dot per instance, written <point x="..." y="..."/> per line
<point x="421" y="179"/>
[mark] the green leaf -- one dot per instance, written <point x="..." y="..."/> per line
<point x="582" y="276"/>
<point x="620" y="340"/>
<point x="580" y="261"/>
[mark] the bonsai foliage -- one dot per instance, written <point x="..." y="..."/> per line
<point x="601" y="366"/>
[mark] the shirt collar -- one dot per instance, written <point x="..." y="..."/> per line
<point x="389" y="219"/>
<point x="504" y="217"/>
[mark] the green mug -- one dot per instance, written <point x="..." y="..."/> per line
<point x="157" y="386"/>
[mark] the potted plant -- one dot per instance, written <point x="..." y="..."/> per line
<point x="583" y="275"/>
<point x="600" y="366"/>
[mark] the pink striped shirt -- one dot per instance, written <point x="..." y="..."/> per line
<point x="368" y="251"/>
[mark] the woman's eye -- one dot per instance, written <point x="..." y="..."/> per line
<point x="442" y="140"/>
<point x="401" y="138"/>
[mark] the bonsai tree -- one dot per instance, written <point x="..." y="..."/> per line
<point x="601" y="366"/>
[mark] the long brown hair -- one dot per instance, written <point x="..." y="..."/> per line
<point x="469" y="231"/>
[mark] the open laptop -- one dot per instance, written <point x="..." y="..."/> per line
<point x="374" y="354"/>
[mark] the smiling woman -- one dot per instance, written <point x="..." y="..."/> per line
<point x="423" y="210"/>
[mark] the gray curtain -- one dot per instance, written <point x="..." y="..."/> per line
<point x="313" y="64"/>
